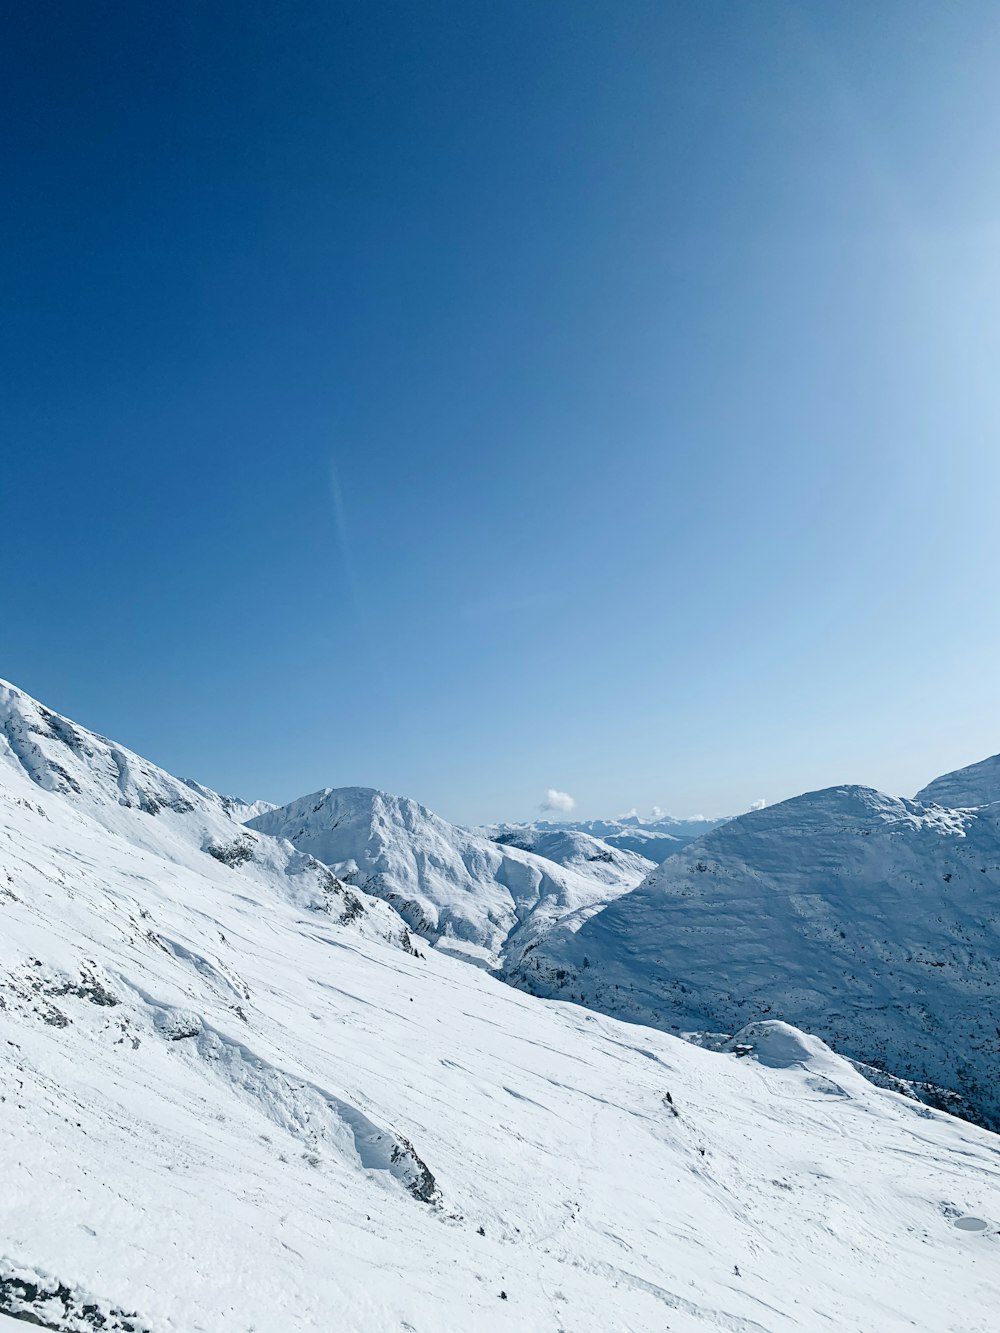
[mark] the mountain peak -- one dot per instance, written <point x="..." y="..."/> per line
<point x="457" y="887"/>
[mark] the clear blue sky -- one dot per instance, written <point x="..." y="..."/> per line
<point x="472" y="398"/>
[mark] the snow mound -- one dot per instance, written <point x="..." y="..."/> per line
<point x="778" y="1045"/>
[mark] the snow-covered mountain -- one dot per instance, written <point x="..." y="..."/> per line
<point x="457" y="888"/>
<point x="978" y="784"/>
<point x="654" y="838"/>
<point x="235" y="806"/>
<point x="224" y="1110"/>
<point x="870" y="920"/>
<point x="183" y="823"/>
<point x="614" y="866"/>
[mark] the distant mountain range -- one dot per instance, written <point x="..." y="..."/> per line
<point x="654" y="839"/>
<point x="244" y="1085"/>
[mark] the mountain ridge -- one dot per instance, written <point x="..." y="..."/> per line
<point x="226" y="1109"/>
<point x="451" y="885"/>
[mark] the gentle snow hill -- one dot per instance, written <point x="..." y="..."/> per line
<point x="978" y="784"/>
<point x="463" y="892"/>
<point x="870" y="920"/>
<point x="225" y="1112"/>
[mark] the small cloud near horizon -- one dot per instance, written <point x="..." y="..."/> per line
<point x="757" y="805"/>
<point x="558" y="800"/>
<point x="658" y="812"/>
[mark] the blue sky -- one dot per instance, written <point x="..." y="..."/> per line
<point x="471" y="399"/>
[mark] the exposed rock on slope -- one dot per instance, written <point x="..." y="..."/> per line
<point x="234" y="806"/>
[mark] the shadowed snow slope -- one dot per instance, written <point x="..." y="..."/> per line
<point x="979" y="784"/>
<point x="459" y="889"/>
<point x="225" y="1112"/>
<point x="870" y="920"/>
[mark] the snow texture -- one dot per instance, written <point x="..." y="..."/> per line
<point x="226" y="1109"/>
<point x="978" y="784"/>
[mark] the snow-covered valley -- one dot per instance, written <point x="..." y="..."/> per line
<point x="242" y="1093"/>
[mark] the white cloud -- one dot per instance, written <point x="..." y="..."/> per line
<point x="558" y="800"/>
<point x="758" y="805"/>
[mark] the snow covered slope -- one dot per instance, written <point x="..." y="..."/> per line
<point x="464" y="892"/>
<point x="870" y="920"/>
<point x="182" y="822"/>
<point x="652" y="844"/>
<point x="224" y="1112"/>
<point x="235" y="807"/>
<point x="613" y="866"/>
<point x="978" y="784"/>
